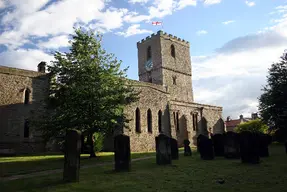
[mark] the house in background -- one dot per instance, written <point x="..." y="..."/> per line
<point x="230" y="124"/>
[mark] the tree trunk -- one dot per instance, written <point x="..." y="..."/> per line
<point x="91" y="143"/>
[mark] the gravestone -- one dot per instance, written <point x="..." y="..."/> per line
<point x="264" y="141"/>
<point x="249" y="147"/>
<point x="122" y="153"/>
<point x="174" y="149"/>
<point x="187" y="149"/>
<point x="218" y="144"/>
<point x="72" y="156"/>
<point x="205" y="148"/>
<point x="163" y="149"/>
<point x="231" y="145"/>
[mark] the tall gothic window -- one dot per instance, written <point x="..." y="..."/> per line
<point x="27" y="96"/>
<point x="149" y="52"/>
<point x="138" y="120"/>
<point x="26" y="129"/>
<point x="172" y="51"/>
<point x="159" y="121"/>
<point x="177" y="121"/>
<point x="194" y="121"/>
<point x="149" y="121"/>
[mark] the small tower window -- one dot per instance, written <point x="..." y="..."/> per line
<point x="138" y="120"/>
<point x="172" y="51"/>
<point x="174" y="80"/>
<point x="26" y="129"/>
<point x="159" y="121"/>
<point x="177" y="122"/>
<point x="149" y="121"/>
<point x="27" y="96"/>
<point x="149" y="52"/>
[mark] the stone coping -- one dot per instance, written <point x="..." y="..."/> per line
<point x="20" y="72"/>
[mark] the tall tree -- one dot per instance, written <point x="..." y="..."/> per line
<point x="273" y="101"/>
<point x="88" y="90"/>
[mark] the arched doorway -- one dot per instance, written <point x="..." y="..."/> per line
<point x="182" y="133"/>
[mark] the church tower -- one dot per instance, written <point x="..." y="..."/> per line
<point x="164" y="59"/>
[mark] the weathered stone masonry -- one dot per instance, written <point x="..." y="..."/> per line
<point x="166" y="100"/>
<point x="21" y="94"/>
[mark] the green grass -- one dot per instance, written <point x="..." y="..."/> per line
<point x="185" y="174"/>
<point x="41" y="162"/>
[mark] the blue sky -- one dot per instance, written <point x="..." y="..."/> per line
<point x="233" y="42"/>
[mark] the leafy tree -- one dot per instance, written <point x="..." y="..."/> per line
<point x="273" y="101"/>
<point x="255" y="126"/>
<point x="88" y="90"/>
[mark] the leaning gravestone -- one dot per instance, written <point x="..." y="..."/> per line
<point x="249" y="147"/>
<point x="187" y="149"/>
<point x="174" y="149"/>
<point x="231" y="145"/>
<point x="72" y="156"/>
<point x="205" y="148"/>
<point x="218" y="144"/>
<point x="122" y="153"/>
<point x="163" y="149"/>
<point x="264" y="141"/>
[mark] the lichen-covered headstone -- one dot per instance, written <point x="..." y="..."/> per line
<point x="249" y="147"/>
<point x="231" y="145"/>
<point x="174" y="149"/>
<point x="205" y="148"/>
<point x="163" y="149"/>
<point x="187" y="149"/>
<point x="218" y="144"/>
<point x="72" y="156"/>
<point x="122" y="153"/>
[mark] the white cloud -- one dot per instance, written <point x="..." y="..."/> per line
<point x="201" y="32"/>
<point x="184" y="3"/>
<point x="211" y="2"/>
<point x="133" y="30"/>
<point x="2" y="4"/>
<point x="55" y="42"/>
<point x="233" y="76"/>
<point x="250" y="3"/>
<point x="24" y="58"/>
<point x="228" y="22"/>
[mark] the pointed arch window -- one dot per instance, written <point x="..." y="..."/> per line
<point x="138" y="120"/>
<point x="177" y="122"/>
<point x="149" y="121"/>
<point x="159" y="121"/>
<point x="27" y="96"/>
<point x="172" y="51"/>
<point x="149" y="52"/>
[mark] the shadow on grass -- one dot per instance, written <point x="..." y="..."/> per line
<point x="18" y="165"/>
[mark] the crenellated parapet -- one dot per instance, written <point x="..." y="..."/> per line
<point x="164" y="35"/>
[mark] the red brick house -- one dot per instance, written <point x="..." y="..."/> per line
<point x="230" y="124"/>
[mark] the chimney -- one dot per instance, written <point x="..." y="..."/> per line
<point x="228" y="118"/>
<point x="42" y="67"/>
<point x="254" y="116"/>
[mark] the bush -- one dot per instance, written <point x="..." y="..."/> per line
<point x="255" y="126"/>
<point x="98" y="141"/>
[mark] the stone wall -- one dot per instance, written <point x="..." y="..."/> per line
<point x="13" y="112"/>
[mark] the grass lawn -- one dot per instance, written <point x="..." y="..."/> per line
<point x="28" y="164"/>
<point x="186" y="174"/>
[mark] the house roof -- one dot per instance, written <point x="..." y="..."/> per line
<point x="232" y="123"/>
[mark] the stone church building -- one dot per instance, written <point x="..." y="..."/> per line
<point x="166" y="103"/>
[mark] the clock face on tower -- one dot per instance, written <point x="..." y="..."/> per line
<point x="148" y="65"/>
